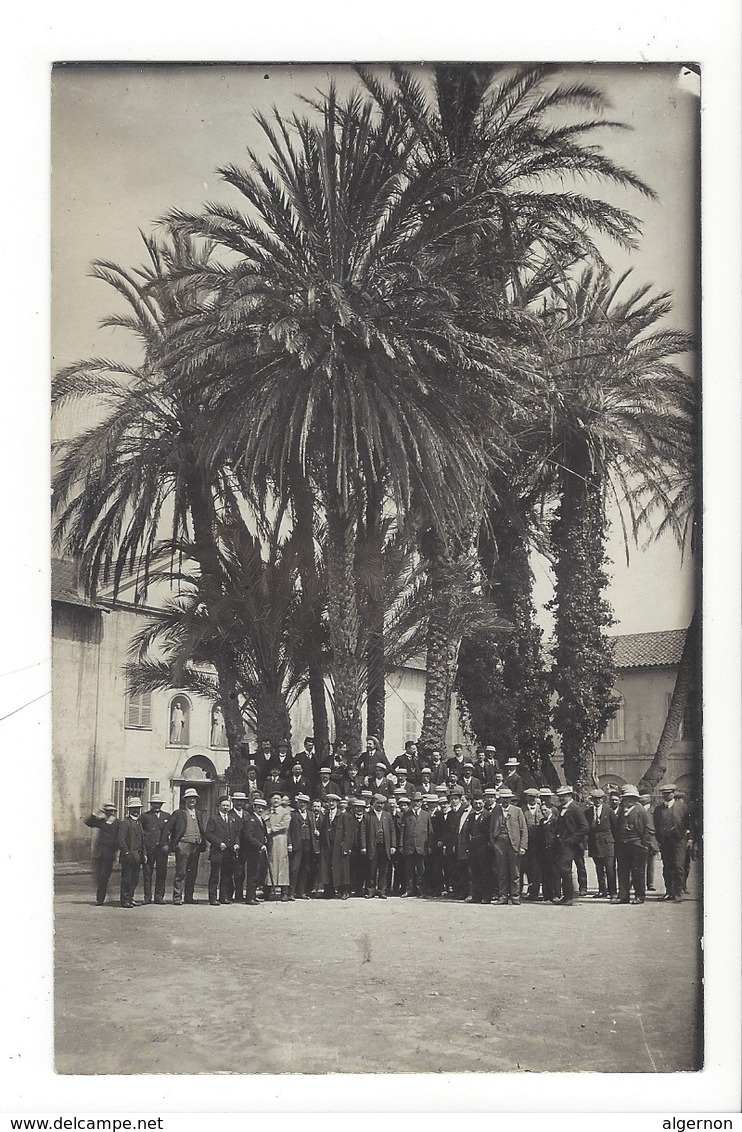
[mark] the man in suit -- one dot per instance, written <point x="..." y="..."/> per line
<point x="457" y="846"/>
<point x="254" y="847"/>
<point x="154" y="827"/>
<point x="274" y="784"/>
<point x="601" y="842"/>
<point x="417" y="839"/>
<point x="479" y="852"/>
<point x="131" y="846"/>
<point x="531" y="864"/>
<point x="547" y="845"/>
<point x="105" y="847"/>
<point x="336" y="841"/>
<point x="187" y="841"/>
<point x="373" y="754"/>
<point x="282" y="761"/>
<point x="438" y="769"/>
<point x="456" y="761"/>
<point x="509" y="838"/>
<point x="378" y="782"/>
<point x="571" y="835"/>
<point x="468" y="783"/>
<point x="302" y="844"/>
<point x="411" y="761"/>
<point x="513" y="780"/>
<point x="299" y="783"/>
<point x="239" y="804"/>
<point x="223" y="831"/>
<point x="263" y="761"/>
<point x="672" y="829"/>
<point x="634" y="834"/>
<point x="381" y="846"/>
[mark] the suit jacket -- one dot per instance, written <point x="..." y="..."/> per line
<point x="223" y="829"/>
<point x="634" y="827"/>
<point x="672" y="823"/>
<point x="572" y="827"/>
<point x="304" y="785"/>
<point x="385" y="822"/>
<point x="532" y="820"/>
<point x="311" y="838"/>
<point x="412" y="764"/>
<point x="472" y="787"/>
<point x="515" y="783"/>
<point x="358" y="833"/>
<point x="379" y="787"/>
<point x="479" y="827"/>
<point x="262" y="767"/>
<point x="601" y="834"/>
<point x="486" y="774"/>
<point x="417" y="832"/>
<point x="131" y="839"/>
<point x="253" y="834"/>
<point x="457" y="840"/>
<point x="178" y="824"/>
<point x="511" y="827"/>
<point x="336" y="842"/>
<point x="155" y="830"/>
<point x="107" y="841"/>
<point x="270" y="787"/>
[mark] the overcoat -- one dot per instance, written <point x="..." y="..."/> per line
<point x="336" y="842"/>
<point x="277" y="825"/>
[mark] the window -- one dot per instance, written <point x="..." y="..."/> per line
<point x="411" y="723"/>
<point x="126" y="788"/>
<point x="139" y="711"/>
<point x="179" y="722"/>
<point x="614" y="732"/>
<point x="688" y="730"/>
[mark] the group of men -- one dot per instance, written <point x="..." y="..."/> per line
<point x="412" y="828"/>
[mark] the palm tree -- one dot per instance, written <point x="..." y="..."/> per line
<point x="343" y="351"/>
<point x="134" y="488"/>
<point x="508" y="134"/>
<point x="617" y="417"/>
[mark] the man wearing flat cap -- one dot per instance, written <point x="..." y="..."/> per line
<point x="105" y="847"/>
<point x="186" y="839"/>
<point x="601" y="842"/>
<point x="154" y="827"/>
<point x="131" y="845"/>
<point x="673" y="832"/>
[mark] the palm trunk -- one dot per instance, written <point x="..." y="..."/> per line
<point x="583" y="669"/>
<point x="273" y="719"/>
<point x="376" y="648"/>
<point x="207" y="556"/>
<point x="444" y="640"/>
<point x="684" y="681"/>
<point x="310" y="582"/>
<point x="342" y="607"/>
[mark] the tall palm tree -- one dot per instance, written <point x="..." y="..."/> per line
<point x="134" y="487"/>
<point x="343" y="349"/>
<point x="520" y="139"/>
<point x="618" y="416"/>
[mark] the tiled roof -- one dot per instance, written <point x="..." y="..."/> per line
<point x="649" y="650"/>
<point x="64" y="583"/>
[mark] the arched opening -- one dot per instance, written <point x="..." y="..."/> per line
<point x="198" y="772"/>
<point x="217" y="731"/>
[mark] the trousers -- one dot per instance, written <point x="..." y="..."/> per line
<point x="155" y="866"/>
<point x="673" y="865"/>
<point x="186" y="867"/>
<point x="221" y="878"/>
<point x="130" y="867"/>
<point x="508" y="869"/>
<point x="378" y="869"/>
<point x="103" y="870"/>
<point x="631" y="859"/>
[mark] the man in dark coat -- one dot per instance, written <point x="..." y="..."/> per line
<point x="672" y="829"/>
<point x="326" y="785"/>
<point x="479" y="849"/>
<point x="547" y="844"/>
<point x="634" y="833"/>
<point x="509" y="838"/>
<point x="411" y="761"/>
<point x="358" y="853"/>
<point x="336" y="842"/>
<point x="263" y="761"/>
<point x="417" y="842"/>
<point x="601" y="842"/>
<point x="378" y="782"/>
<point x="572" y="830"/>
<point x="131" y="845"/>
<point x="381" y="846"/>
<point x="513" y="780"/>
<point x="456" y="761"/>
<point x="239" y="808"/>
<point x="299" y="783"/>
<point x="457" y="845"/>
<point x="154" y="827"/>
<point x="468" y="783"/>
<point x="531" y="864"/>
<point x="186" y="840"/>
<point x="105" y="847"/>
<point x="254" y="847"/>
<point x="223" y="832"/>
<point x="302" y="845"/>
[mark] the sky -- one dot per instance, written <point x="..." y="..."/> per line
<point x="131" y="142"/>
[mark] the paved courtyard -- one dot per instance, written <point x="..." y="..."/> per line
<point x="370" y="986"/>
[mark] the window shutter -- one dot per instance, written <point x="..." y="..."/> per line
<point x="145" y="709"/>
<point x="117" y="796"/>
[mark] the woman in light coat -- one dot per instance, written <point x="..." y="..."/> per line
<point x="277" y="825"/>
